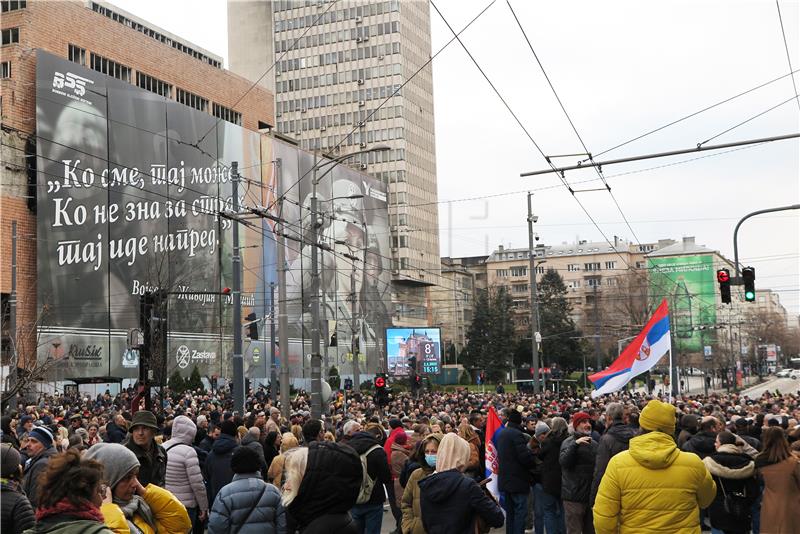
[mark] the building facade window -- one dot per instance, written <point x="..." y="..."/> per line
<point x="110" y="68"/>
<point x="13" y="5"/>
<point x="226" y="114"/>
<point x="593" y="282"/>
<point x="5" y="69"/>
<point x="591" y="266"/>
<point x="190" y="99"/>
<point x="10" y="36"/>
<point x="519" y="288"/>
<point x="573" y="267"/>
<point x="519" y="271"/>
<point x="540" y="270"/>
<point x="502" y="273"/>
<point x="154" y="85"/>
<point x="76" y="54"/>
<point x="611" y="265"/>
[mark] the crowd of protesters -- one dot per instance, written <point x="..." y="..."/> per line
<point x="564" y="463"/>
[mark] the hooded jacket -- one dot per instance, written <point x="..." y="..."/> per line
<point x="577" y="468"/>
<point x="251" y="442"/>
<point x="614" y="441"/>
<point x="183" y="476"/>
<point x="218" y="470"/>
<point x="377" y="466"/>
<point x="16" y="512"/>
<point x="702" y="444"/>
<point x="68" y="525"/>
<point x="653" y="487"/>
<point x="733" y="471"/>
<point x="329" y="489"/>
<point x="169" y="514"/>
<point x="450" y="502"/>
<point x="247" y="505"/>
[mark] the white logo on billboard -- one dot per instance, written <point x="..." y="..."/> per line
<point x="71" y="81"/>
<point x="374" y="193"/>
<point x="130" y="359"/>
<point x="183" y="356"/>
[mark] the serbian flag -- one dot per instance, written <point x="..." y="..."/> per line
<point x="641" y="355"/>
<point x="493" y="428"/>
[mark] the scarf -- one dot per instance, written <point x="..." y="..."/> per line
<point x="85" y="510"/>
<point x="137" y="506"/>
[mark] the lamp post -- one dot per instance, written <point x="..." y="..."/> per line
<point x="316" y="222"/>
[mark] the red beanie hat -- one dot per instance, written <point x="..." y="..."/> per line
<point x="578" y="418"/>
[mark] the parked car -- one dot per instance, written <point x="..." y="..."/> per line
<point x="784" y="373"/>
<point x="794" y="374"/>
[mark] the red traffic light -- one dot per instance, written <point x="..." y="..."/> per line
<point x="723" y="276"/>
<point x="380" y="382"/>
<point x="226" y="291"/>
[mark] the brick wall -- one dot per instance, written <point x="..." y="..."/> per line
<point x="52" y="26"/>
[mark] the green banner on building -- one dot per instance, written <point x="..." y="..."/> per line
<point x="688" y="284"/>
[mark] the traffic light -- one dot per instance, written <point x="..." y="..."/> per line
<point x="749" y="282"/>
<point x="348" y="384"/>
<point x="380" y="382"/>
<point x="252" y="328"/>
<point x="724" y="279"/>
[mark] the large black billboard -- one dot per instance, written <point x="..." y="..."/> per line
<point x="131" y="186"/>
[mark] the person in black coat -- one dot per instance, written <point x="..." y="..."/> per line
<point x="16" y="512"/>
<point x="515" y="461"/>
<point x="550" y="473"/>
<point x="734" y="473"/>
<point x="370" y="513"/>
<point x="577" y="458"/>
<point x="328" y="479"/>
<point x="117" y="430"/>
<point x="9" y="435"/>
<point x="614" y="441"/>
<point x="217" y="470"/>
<point x="702" y="443"/>
<point x="451" y="502"/>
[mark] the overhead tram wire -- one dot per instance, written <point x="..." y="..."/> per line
<point x="395" y="92"/>
<point x="525" y="130"/>
<point x="748" y="120"/>
<point x="571" y="123"/>
<point x="689" y="116"/>
<point x="786" y="47"/>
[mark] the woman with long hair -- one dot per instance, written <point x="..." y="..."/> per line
<point x="451" y="502"/>
<point x="780" y="472"/>
<point x="466" y="433"/>
<point x="275" y="472"/>
<point x="71" y="493"/>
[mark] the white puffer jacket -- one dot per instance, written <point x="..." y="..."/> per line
<point x="184" y="477"/>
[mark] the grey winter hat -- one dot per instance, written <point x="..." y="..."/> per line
<point x="541" y="428"/>
<point x="117" y="461"/>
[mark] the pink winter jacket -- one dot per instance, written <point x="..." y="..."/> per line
<point x="184" y="478"/>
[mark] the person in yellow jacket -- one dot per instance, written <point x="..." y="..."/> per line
<point x="653" y="486"/>
<point x="134" y="508"/>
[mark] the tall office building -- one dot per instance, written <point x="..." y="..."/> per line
<point x="337" y="65"/>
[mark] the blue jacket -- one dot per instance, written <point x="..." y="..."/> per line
<point x="514" y="460"/>
<point x="217" y="469"/>
<point x="247" y="505"/>
<point x="450" y="502"/>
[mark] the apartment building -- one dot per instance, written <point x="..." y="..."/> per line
<point x="347" y="78"/>
<point x="453" y="304"/>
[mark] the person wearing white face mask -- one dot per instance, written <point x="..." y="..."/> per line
<point x="425" y="460"/>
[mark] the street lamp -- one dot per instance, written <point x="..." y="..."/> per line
<point x="316" y="375"/>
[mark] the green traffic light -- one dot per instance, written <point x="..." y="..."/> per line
<point x="750" y="296"/>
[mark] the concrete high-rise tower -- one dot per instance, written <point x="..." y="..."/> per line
<point x="337" y="62"/>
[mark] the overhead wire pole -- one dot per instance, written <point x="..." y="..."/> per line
<point x="239" y="393"/>
<point x="283" y="316"/>
<point x="534" y="298"/>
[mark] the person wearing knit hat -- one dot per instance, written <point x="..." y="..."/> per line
<point x="577" y="458"/>
<point x="541" y="430"/>
<point x="39" y="450"/>
<point x="17" y="513"/>
<point x="134" y="507"/>
<point x="653" y="486"/>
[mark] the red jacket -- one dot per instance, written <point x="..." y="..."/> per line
<point x="388" y="445"/>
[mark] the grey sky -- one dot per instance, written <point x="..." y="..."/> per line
<point x="620" y="68"/>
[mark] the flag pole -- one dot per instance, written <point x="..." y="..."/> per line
<point x="671" y="376"/>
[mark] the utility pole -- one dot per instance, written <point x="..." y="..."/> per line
<point x="273" y="381"/>
<point x="12" y="324"/>
<point x="283" y="317"/>
<point x="597" y="353"/>
<point x="353" y="329"/>
<point x="316" y="375"/>
<point x="534" y="297"/>
<point x="239" y="393"/>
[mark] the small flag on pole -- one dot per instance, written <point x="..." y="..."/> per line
<point x="640" y="356"/>
<point x="493" y="428"/>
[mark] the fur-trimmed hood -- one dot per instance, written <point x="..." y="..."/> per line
<point x="729" y="462"/>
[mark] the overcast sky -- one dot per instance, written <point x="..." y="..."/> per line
<point x="620" y="69"/>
